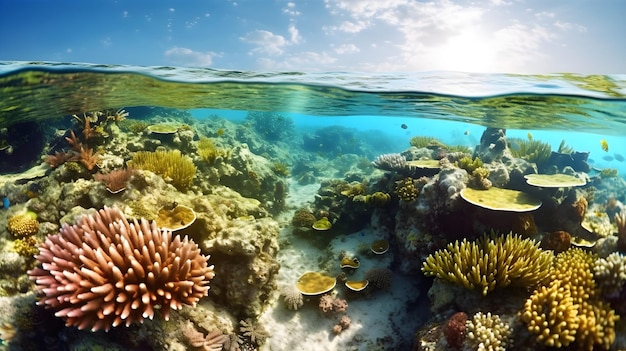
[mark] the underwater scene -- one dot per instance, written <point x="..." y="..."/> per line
<point x="168" y="208"/>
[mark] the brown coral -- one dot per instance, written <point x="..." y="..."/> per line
<point x="115" y="181"/>
<point x="104" y="271"/>
<point x="213" y="341"/>
<point x="454" y="330"/>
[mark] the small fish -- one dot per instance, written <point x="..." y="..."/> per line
<point x="530" y="136"/>
<point x="404" y="126"/>
<point x="467" y="132"/>
<point x="6" y="202"/>
<point x="619" y="157"/>
<point x="604" y="145"/>
<point x="608" y="158"/>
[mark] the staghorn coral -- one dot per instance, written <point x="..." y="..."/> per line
<point x="486" y="332"/>
<point x="391" y="162"/>
<point x="571" y="306"/>
<point x="171" y="165"/>
<point x="610" y="274"/>
<point x="23" y="225"/>
<point x="487" y="263"/>
<point x="104" y="271"/>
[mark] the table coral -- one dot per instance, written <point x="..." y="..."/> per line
<point x="488" y="263"/>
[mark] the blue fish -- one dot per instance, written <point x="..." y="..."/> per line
<point x="6" y="202"/>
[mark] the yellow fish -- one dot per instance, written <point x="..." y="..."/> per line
<point x="530" y="136"/>
<point x="604" y="145"/>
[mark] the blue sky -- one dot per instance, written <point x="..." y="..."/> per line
<point x="508" y="36"/>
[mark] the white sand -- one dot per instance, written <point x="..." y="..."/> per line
<point x="380" y="321"/>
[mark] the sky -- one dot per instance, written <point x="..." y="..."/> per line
<point x="496" y="36"/>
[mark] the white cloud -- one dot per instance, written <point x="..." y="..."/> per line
<point x="171" y="9"/>
<point x="68" y="50"/>
<point x="346" y="49"/>
<point x="266" y="42"/>
<point x="290" y="9"/>
<point x="125" y="14"/>
<point x="302" y="61"/>
<point x="188" y="57"/>
<point x="294" y="34"/>
<point x="567" y="26"/>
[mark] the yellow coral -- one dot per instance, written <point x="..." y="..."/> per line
<point x="487" y="264"/>
<point x="171" y="165"/>
<point x="488" y="332"/>
<point x="208" y="151"/>
<point x="26" y="246"/>
<point x="23" y="225"/>
<point x="550" y="311"/>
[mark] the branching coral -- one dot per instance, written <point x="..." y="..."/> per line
<point x="487" y="263"/>
<point x="530" y="150"/>
<point x="116" y="180"/>
<point x="486" y="332"/>
<point x="171" y="165"/>
<point x="569" y="310"/>
<point x="104" y="271"/>
<point x="469" y="164"/>
<point x="610" y="274"/>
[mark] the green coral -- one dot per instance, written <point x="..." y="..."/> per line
<point x="530" y="150"/>
<point x="608" y="173"/>
<point x="469" y="164"/>
<point x="425" y="141"/>
<point x="175" y="168"/>
<point x="280" y="169"/>
<point x="487" y="263"/>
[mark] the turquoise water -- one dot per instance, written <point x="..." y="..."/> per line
<point x="310" y="139"/>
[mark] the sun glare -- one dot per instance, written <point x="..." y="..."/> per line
<point x="470" y="52"/>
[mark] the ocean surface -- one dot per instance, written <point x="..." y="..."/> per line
<point x="451" y="106"/>
<point x="279" y="144"/>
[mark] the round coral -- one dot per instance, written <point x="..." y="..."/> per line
<point x="104" y="271"/>
<point x="23" y="225"/>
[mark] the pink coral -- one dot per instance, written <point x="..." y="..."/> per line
<point x="104" y="271"/>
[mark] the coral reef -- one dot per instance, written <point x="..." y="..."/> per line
<point x="103" y="272"/>
<point x="486" y="332"/>
<point x="488" y="263"/>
